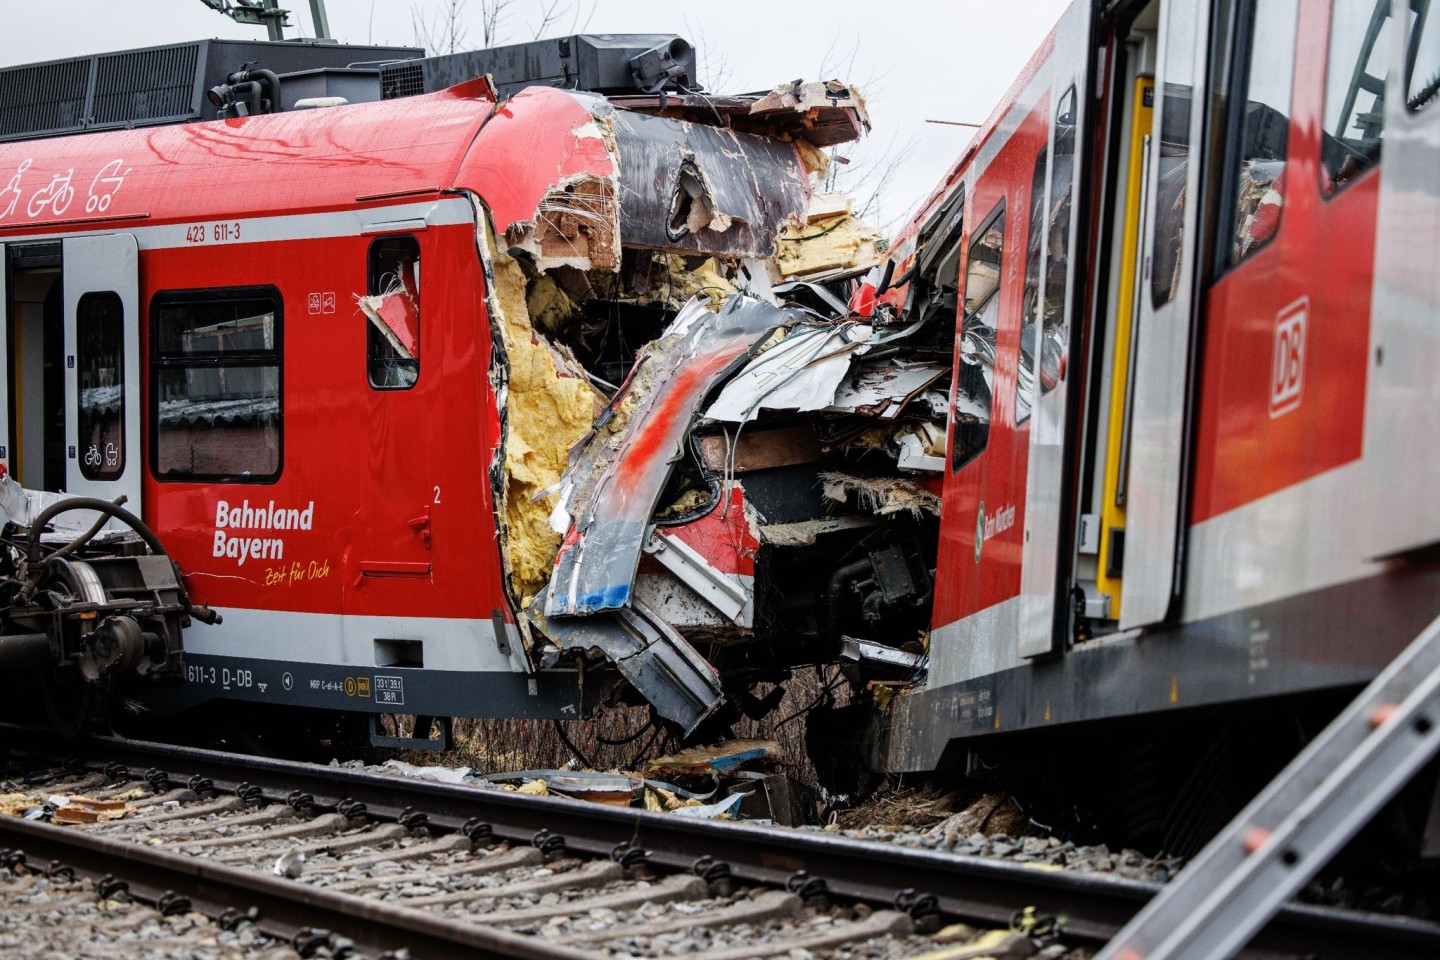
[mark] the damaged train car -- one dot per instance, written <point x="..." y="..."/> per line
<point x="461" y="404"/>
<point x="1190" y="263"/>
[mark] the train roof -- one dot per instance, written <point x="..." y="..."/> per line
<point x="306" y="160"/>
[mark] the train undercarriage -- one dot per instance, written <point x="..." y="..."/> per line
<point x="91" y="607"/>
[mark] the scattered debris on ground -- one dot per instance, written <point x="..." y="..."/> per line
<point x="65" y="809"/>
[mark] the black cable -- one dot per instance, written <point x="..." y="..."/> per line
<point x="630" y="739"/>
<point x="569" y="745"/>
<point x="815" y="236"/>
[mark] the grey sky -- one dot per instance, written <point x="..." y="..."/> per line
<point x="914" y="60"/>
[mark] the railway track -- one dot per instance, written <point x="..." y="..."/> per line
<point x="341" y="862"/>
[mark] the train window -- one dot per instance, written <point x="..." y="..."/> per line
<point x="1178" y="71"/>
<point x="1260" y="122"/>
<point x="215" y="360"/>
<point x="1423" y="69"/>
<point x="100" y="363"/>
<point x="1054" y="336"/>
<point x="1359" y="59"/>
<point x="392" y="333"/>
<point x="976" y="381"/>
<point x="1030" y="309"/>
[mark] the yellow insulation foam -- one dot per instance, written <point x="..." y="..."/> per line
<point x="546" y="412"/>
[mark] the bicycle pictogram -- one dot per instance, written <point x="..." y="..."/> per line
<point x="57" y="195"/>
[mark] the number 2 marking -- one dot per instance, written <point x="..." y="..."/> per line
<point x="437" y="495"/>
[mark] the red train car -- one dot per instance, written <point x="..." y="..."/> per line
<point x="1194" y="408"/>
<point x="340" y="357"/>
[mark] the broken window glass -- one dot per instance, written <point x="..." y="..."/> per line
<point x="1423" y="70"/>
<point x="1262" y="122"/>
<point x="1361" y="40"/>
<point x="975" y="378"/>
<point x="1055" y="336"/>
<point x="1030" y="308"/>
<point x="216" y="361"/>
<point x="100" y="357"/>
<point x="1168" y="217"/>
<point x="392" y="336"/>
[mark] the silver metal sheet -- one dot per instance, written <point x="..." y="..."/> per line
<point x="1040" y="590"/>
<point x="882" y="389"/>
<point x="802" y="372"/>
<point x="1402" y="408"/>
<point x="1162" y="368"/>
<point x="659" y="663"/>
<point x="104" y="264"/>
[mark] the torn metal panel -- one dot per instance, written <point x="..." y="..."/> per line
<point x="397" y="317"/>
<point x="575" y="225"/>
<point x="538" y="142"/>
<point x="700" y="576"/>
<point x="824" y="113"/>
<point x="884" y="388"/>
<point x="621" y="469"/>
<point x="802" y="373"/>
<point x="691" y="188"/>
<point x="725" y="592"/>
<point x="679" y="683"/>
<point x="828" y="112"/>
<point x="901" y="664"/>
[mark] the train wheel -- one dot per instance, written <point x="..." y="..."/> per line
<point x="69" y="701"/>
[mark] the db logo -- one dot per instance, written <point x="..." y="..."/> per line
<point x="1287" y="364"/>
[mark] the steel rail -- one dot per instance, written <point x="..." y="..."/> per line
<point x="289" y="911"/>
<point x="1090" y="907"/>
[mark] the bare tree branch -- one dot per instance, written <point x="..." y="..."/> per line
<point x="444" y="31"/>
<point x="714" y="72"/>
<point x="549" y="13"/>
<point x="492" y="15"/>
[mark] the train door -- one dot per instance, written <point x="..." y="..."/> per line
<point x="1402" y="413"/>
<point x="33" y="400"/>
<point x="1045" y="349"/>
<point x="102" y="368"/>
<point x="399" y="494"/>
<point x="1155" y="437"/>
